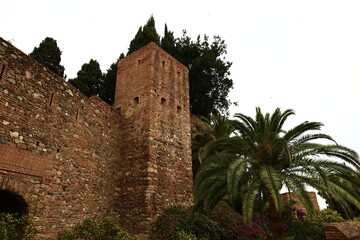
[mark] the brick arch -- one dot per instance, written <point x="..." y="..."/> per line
<point x="16" y="186"/>
<point x="13" y="203"/>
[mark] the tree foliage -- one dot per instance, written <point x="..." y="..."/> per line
<point x="107" y="91"/>
<point x="209" y="72"/>
<point x="144" y="36"/>
<point x="89" y="79"/>
<point x="49" y="54"/>
<point x="262" y="157"/>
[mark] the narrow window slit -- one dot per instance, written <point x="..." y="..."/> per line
<point x="77" y="114"/>
<point x="51" y="99"/>
<point x="178" y="109"/>
<point x="136" y="100"/>
<point x="2" y="71"/>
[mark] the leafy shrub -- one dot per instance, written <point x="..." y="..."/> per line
<point x="186" y="236"/>
<point x="178" y="223"/>
<point x="328" y="215"/>
<point x="299" y="226"/>
<point x="356" y="219"/>
<point x="93" y="229"/>
<point x="177" y="220"/>
<point x="14" y="227"/>
<point x="305" y="230"/>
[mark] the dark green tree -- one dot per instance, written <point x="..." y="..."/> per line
<point x="89" y="79"/>
<point x="209" y="72"/>
<point x="49" y="54"/>
<point x="107" y="91"/>
<point x="144" y="36"/>
<point x="168" y="43"/>
<point x="262" y="157"/>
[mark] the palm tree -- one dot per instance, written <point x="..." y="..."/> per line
<point x="263" y="158"/>
<point x="205" y="130"/>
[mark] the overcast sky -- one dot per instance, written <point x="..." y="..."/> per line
<point x="303" y="55"/>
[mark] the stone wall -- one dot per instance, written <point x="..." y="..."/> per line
<point x="70" y="157"/>
<point x="152" y="94"/>
<point x="58" y="148"/>
<point x="342" y="231"/>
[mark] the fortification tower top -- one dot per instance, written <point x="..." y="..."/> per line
<point x="151" y="75"/>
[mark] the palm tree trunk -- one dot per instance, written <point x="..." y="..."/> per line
<point x="276" y="221"/>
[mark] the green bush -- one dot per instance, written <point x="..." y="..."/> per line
<point x="94" y="229"/>
<point x="186" y="236"/>
<point x="328" y="216"/>
<point x="14" y="227"/>
<point x="299" y="226"/>
<point x="356" y="219"/>
<point x="178" y="223"/>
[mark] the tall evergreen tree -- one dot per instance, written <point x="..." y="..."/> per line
<point x="49" y="54"/>
<point x="89" y="79"/>
<point x="168" y="42"/>
<point x="107" y="91"/>
<point x="209" y="72"/>
<point x="144" y="36"/>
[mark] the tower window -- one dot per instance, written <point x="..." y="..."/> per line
<point x="2" y="70"/>
<point x="77" y="115"/>
<point x="51" y="100"/>
<point x="163" y="63"/>
<point x="178" y="109"/>
<point x="179" y="74"/>
<point x="136" y="100"/>
<point x="139" y="62"/>
<point x="163" y="101"/>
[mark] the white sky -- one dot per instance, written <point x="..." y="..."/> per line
<point x="303" y="55"/>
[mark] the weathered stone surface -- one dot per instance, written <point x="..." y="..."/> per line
<point x="71" y="157"/>
<point x="342" y="231"/>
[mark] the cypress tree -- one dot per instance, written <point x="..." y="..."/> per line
<point x="49" y="54"/>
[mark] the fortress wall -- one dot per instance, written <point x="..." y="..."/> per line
<point x="156" y="134"/>
<point x="71" y="157"/>
<point x="59" y="150"/>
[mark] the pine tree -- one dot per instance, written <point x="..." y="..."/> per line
<point x="144" y="36"/>
<point x="49" y="54"/>
<point x="168" y="42"/>
<point x="107" y="92"/>
<point x="89" y="79"/>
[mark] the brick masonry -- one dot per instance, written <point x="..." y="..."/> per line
<point x="290" y="196"/>
<point x="70" y="157"/>
<point x="342" y="231"/>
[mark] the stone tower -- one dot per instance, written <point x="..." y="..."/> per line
<point x="152" y="95"/>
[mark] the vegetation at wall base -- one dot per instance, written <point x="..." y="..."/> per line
<point x="14" y="227"/>
<point x="107" y="228"/>
<point x="179" y="223"/>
